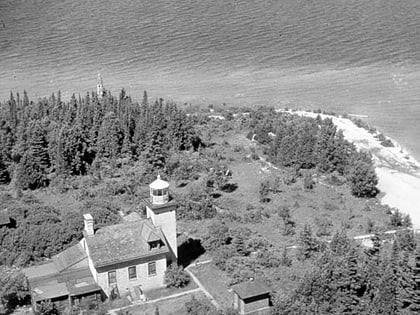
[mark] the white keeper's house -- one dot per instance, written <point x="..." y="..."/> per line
<point x="125" y="258"/>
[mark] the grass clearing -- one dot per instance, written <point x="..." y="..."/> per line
<point x="162" y="292"/>
<point x="215" y="281"/>
<point x="173" y="306"/>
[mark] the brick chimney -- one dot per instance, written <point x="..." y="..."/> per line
<point x="88" y="224"/>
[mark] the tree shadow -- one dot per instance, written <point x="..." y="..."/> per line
<point x="216" y="195"/>
<point x="189" y="251"/>
<point x="182" y="184"/>
<point x="229" y="187"/>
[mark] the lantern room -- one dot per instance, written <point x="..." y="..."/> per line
<point x="159" y="192"/>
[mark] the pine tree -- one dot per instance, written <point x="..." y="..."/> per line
<point x="34" y="165"/>
<point x="309" y="244"/>
<point x="155" y="152"/>
<point x="4" y="173"/>
<point x="73" y="156"/>
<point x="110" y="139"/>
<point x="38" y="145"/>
<point x="415" y="292"/>
<point x="363" y="179"/>
<point x="385" y="300"/>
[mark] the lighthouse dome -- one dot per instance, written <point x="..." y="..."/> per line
<point x="159" y="184"/>
<point x="159" y="192"/>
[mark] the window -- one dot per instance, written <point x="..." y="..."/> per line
<point x="155" y="244"/>
<point x="112" y="277"/>
<point x="132" y="273"/>
<point x="152" y="268"/>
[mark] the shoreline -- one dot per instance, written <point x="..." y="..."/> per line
<point x="398" y="172"/>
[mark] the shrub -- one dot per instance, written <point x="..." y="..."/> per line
<point x="336" y="179"/>
<point x="239" y="269"/>
<point x="47" y="308"/>
<point x="239" y="237"/>
<point x="384" y="141"/>
<point x="370" y="226"/>
<point x="263" y="190"/>
<point x="253" y="216"/>
<point x="399" y="219"/>
<point x="406" y="240"/>
<point x="198" y="307"/>
<point x="14" y="288"/>
<point x="175" y="276"/>
<point x="284" y="259"/>
<point x="268" y="259"/>
<point x="308" y="182"/>
<point x="222" y="255"/>
<point x="324" y="224"/>
<point x="238" y="148"/>
<point x="387" y="143"/>
<point x="308" y="244"/>
<point x="217" y="235"/>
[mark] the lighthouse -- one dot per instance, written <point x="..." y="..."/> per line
<point x="100" y="91"/>
<point x="161" y="210"/>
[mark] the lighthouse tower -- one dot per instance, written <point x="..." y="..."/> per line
<point x="99" y="86"/>
<point x="161" y="210"/>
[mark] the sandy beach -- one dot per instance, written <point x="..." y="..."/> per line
<point x="398" y="172"/>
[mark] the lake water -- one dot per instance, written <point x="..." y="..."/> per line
<point x="354" y="56"/>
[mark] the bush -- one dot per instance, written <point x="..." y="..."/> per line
<point x="218" y="234"/>
<point x="284" y="259"/>
<point x="14" y="289"/>
<point x="384" y="141"/>
<point x="324" y="225"/>
<point x="175" y="276"/>
<point x="263" y="190"/>
<point x="198" y="307"/>
<point x="336" y="179"/>
<point x="309" y="245"/>
<point x="222" y="255"/>
<point x="308" y="182"/>
<point x="253" y="216"/>
<point x="399" y="219"/>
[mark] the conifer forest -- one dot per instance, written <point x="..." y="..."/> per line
<point x="60" y="158"/>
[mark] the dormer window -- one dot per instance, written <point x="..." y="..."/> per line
<point x="155" y="245"/>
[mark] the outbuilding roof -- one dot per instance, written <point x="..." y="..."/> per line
<point x="159" y="184"/>
<point x="124" y="242"/>
<point x="65" y="274"/>
<point x="250" y="289"/>
<point x="69" y="257"/>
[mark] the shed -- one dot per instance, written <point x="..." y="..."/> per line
<point x="251" y="298"/>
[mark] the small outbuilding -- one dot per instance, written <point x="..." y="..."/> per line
<point x="251" y="298"/>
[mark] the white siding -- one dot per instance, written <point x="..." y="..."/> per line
<point x="143" y="279"/>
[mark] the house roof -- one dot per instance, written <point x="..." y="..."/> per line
<point x="133" y="216"/>
<point x="4" y="217"/>
<point x="249" y="289"/>
<point x="124" y="242"/>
